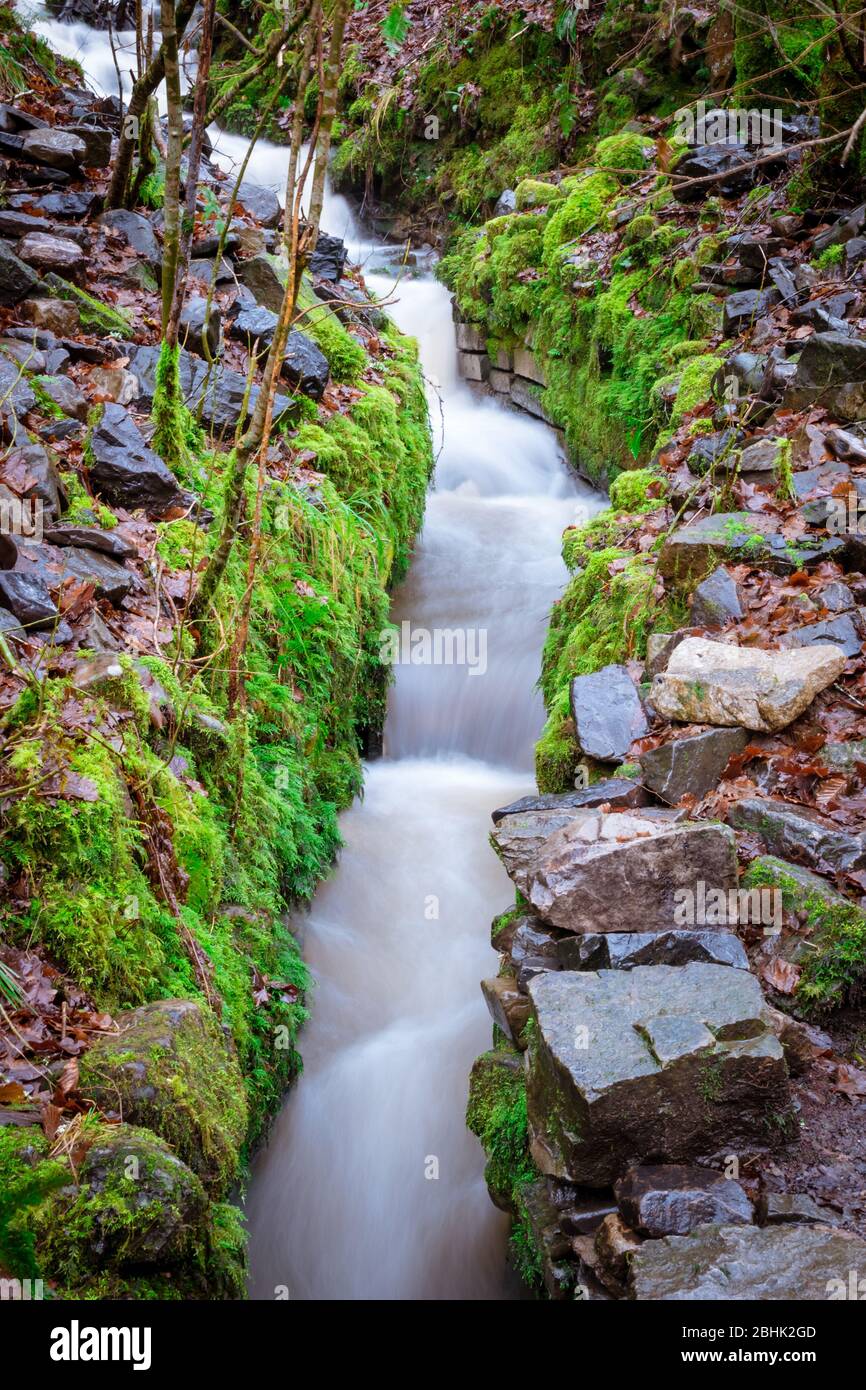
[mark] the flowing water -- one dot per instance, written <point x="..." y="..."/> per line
<point x="370" y="1186"/>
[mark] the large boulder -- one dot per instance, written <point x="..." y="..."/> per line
<point x="669" y="1199"/>
<point x="607" y="712"/>
<point x="519" y="836"/>
<point x="171" y="1070"/>
<point x="660" y="1062"/>
<point x="716" y="683"/>
<point x="691" y="766"/>
<point x="745" y="1264"/>
<point x="124" y="470"/>
<point x="616" y="872"/>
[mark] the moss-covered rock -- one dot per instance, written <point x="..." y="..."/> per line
<point x="171" y="1069"/>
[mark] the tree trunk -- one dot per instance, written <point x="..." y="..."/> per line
<point x="331" y="79"/>
<point x="199" y="112"/>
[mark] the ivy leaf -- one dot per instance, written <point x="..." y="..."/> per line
<point x="395" y="27"/>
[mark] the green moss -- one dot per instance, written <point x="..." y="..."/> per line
<point x="346" y="357"/>
<point x="629" y="492"/>
<point x="496" y="1114"/>
<point x="532" y="193"/>
<point x="95" y="317"/>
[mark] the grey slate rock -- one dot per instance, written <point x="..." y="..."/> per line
<point x="691" y="766"/>
<point x="715" y="602"/>
<point x="624" y="950"/>
<point x="305" y="365"/>
<point x="617" y="791"/>
<point x="607" y="712"/>
<point x="28" y="598"/>
<point x="796" y="832"/>
<point x="17" y="279"/>
<point x="843" y="632"/>
<point x="663" y="1199"/>
<point x="125" y="470"/>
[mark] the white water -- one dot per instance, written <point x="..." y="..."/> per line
<point x="340" y="1204"/>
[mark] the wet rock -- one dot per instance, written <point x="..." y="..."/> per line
<point x="614" y="791"/>
<point x="672" y="1199"/>
<point x="218" y="394"/>
<point x="254" y="326"/>
<point x="548" y="1239"/>
<point x="41" y="478"/>
<point x="746" y="1263"/>
<point x="192" y="327"/>
<point x="58" y="149"/>
<point x="508" y="1008"/>
<point x="761" y="456"/>
<point x="831" y="371"/>
<point x="732" y="160"/>
<point x="609" y="873"/>
<point x="169" y="1068"/>
<point x="518" y="837"/>
<point x="16" y="398"/>
<point x="844" y="632"/>
<point x="109" y="543"/>
<point x="711" y="452"/>
<point x="715" y="683"/>
<point x="328" y="261"/>
<point x="715" y="602"/>
<point x="53" y="315"/>
<point x="534" y="948"/>
<point x="212" y="272"/>
<point x="17" y="279"/>
<point x="660" y="646"/>
<point x="796" y="832"/>
<point x="505" y="203"/>
<point x="607" y="712"/>
<point x="25" y="354"/>
<point x="114" y="384"/>
<point x="97" y="143"/>
<point x="261" y="203"/>
<point x="846" y="445"/>
<point x="54" y="566"/>
<point x="46" y="252"/>
<point x="66" y="396"/>
<point x="137" y="231"/>
<point x="744" y="308"/>
<point x="265" y="277"/>
<point x="693" y="550"/>
<point x="305" y="365"/>
<point x="625" y="950"/>
<point x="71" y="205"/>
<point x="124" y="470"/>
<point x="10" y="626"/>
<point x="657" y="1061"/>
<point x="691" y="766"/>
<point x="28" y="598"/>
<point x="846" y="227"/>
<point x="785" y="1208"/>
<point x="351" y="304"/>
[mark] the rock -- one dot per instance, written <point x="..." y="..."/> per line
<point x="846" y="227"/>
<point x="66" y="396"/>
<point x="192" y="325"/>
<point x="97" y="144"/>
<point x="505" y="203"/>
<point x="16" y="398"/>
<point x="744" y="308"/>
<point x="844" y="632"/>
<point x="114" y="384"/>
<point x="109" y="543"/>
<point x="508" y="1008"/>
<point x="715" y="602"/>
<point x="691" y="766"/>
<point x="715" y="683"/>
<point x="252" y="241"/>
<point x="53" y="566"/>
<point x="660" y="646"/>
<point x="672" y="1199"/>
<point x="534" y="948"/>
<point x="831" y="371"/>
<point x="785" y="1208"/>
<point x="836" y="597"/>
<point x="25" y="354"/>
<point x="796" y="832"/>
<point x="58" y="316"/>
<point x="328" y="261"/>
<point x="72" y="205"/>
<point x="42" y="480"/>
<point x="710" y="452"/>
<point x="518" y="838"/>
<point x="729" y="159"/>
<point x="138" y="232"/>
<point x="589" y="877"/>
<point x="124" y="470"/>
<point x="615" y="1244"/>
<point x="254" y="326"/>
<point x="351" y="304"/>
<point x="801" y="1043"/>
<point x="58" y="149"/>
<point x="624" y="950"/>
<point x="495" y="1075"/>
<point x="693" y="550"/>
<point x="548" y="1239"/>
<point x="607" y="712"/>
<point x="265" y="277"/>
<point x="219" y="394"/>
<point x="59" y="254"/>
<point x="170" y="1069"/>
<point x="28" y="598"/>
<point x="17" y="279"/>
<point x="761" y="456"/>
<point x="668" y="1062"/>
<point x="96" y="635"/>
<point x="212" y="272"/>
<point x="261" y="203"/>
<point x="746" y="1263"/>
<point x="846" y="445"/>
<point x="10" y="626"/>
<point x="305" y="365"/>
<point x="614" y="791"/>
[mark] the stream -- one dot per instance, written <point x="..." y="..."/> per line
<point x="370" y="1186"/>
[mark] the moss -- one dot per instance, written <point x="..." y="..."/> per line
<point x="94" y="316"/>
<point x="346" y="357"/>
<point x="629" y="492"/>
<point x="532" y="193"/>
<point x="829" y="257"/>
<point x="556" y="756"/>
<point x="496" y="1114"/>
